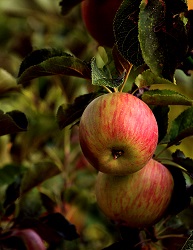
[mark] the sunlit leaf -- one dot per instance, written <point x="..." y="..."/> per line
<point x="147" y="78"/>
<point x="37" y="174"/>
<point x="12" y="122"/>
<point x="126" y="31"/>
<point x="165" y="97"/>
<point x="8" y="83"/>
<point x="48" y="62"/>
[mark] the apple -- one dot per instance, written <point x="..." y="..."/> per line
<point x="118" y="133"/>
<point x="98" y="18"/>
<point x="137" y="200"/>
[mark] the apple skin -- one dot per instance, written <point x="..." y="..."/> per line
<point x="118" y="123"/>
<point x="98" y="18"/>
<point x="137" y="200"/>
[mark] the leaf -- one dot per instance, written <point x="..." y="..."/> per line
<point x="9" y="173"/>
<point x="182" y="160"/>
<point x="162" y="36"/>
<point x="68" y="5"/>
<point x="12" y="122"/>
<point x="68" y="114"/>
<point x="37" y="174"/>
<point x="180" y="198"/>
<point x="161" y="115"/>
<point x="29" y="206"/>
<point x="103" y="77"/>
<point x="61" y="225"/>
<point x="165" y="97"/>
<point x="120" y="62"/>
<point x="181" y="127"/>
<point x="147" y="78"/>
<point x="47" y="62"/>
<point x="188" y="244"/>
<point x="126" y="31"/>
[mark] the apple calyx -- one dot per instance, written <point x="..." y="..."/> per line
<point x="116" y="153"/>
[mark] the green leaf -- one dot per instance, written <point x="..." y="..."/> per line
<point x="68" y="5"/>
<point x="47" y="62"/>
<point x="181" y="127"/>
<point x="103" y="77"/>
<point x="165" y="97"/>
<point x="162" y="36"/>
<point x="12" y="122"/>
<point x="37" y="174"/>
<point x="161" y="115"/>
<point x="126" y="31"/>
<point x="147" y="78"/>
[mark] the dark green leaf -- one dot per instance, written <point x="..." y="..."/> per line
<point x="30" y="205"/>
<point x="12" y="192"/>
<point x="126" y="31"/>
<point x="37" y="174"/>
<point x="180" y="197"/>
<point x="51" y="62"/>
<point x="165" y="97"/>
<point x="181" y="127"/>
<point x="182" y="160"/>
<point x="161" y="115"/>
<point x="61" y="225"/>
<point x="9" y="173"/>
<point x="103" y="77"/>
<point x="68" y="5"/>
<point x="69" y="114"/>
<point x="12" y="122"/>
<point x="162" y="36"/>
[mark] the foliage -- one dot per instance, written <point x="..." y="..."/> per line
<point x="50" y="70"/>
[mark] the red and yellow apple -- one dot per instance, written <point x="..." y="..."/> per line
<point x="118" y="133"/>
<point x="137" y="200"/>
<point x="98" y="18"/>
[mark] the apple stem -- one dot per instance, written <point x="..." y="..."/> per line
<point x="126" y="77"/>
<point x="108" y="90"/>
<point x="117" y="153"/>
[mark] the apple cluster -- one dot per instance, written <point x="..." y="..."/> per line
<point x="118" y="135"/>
